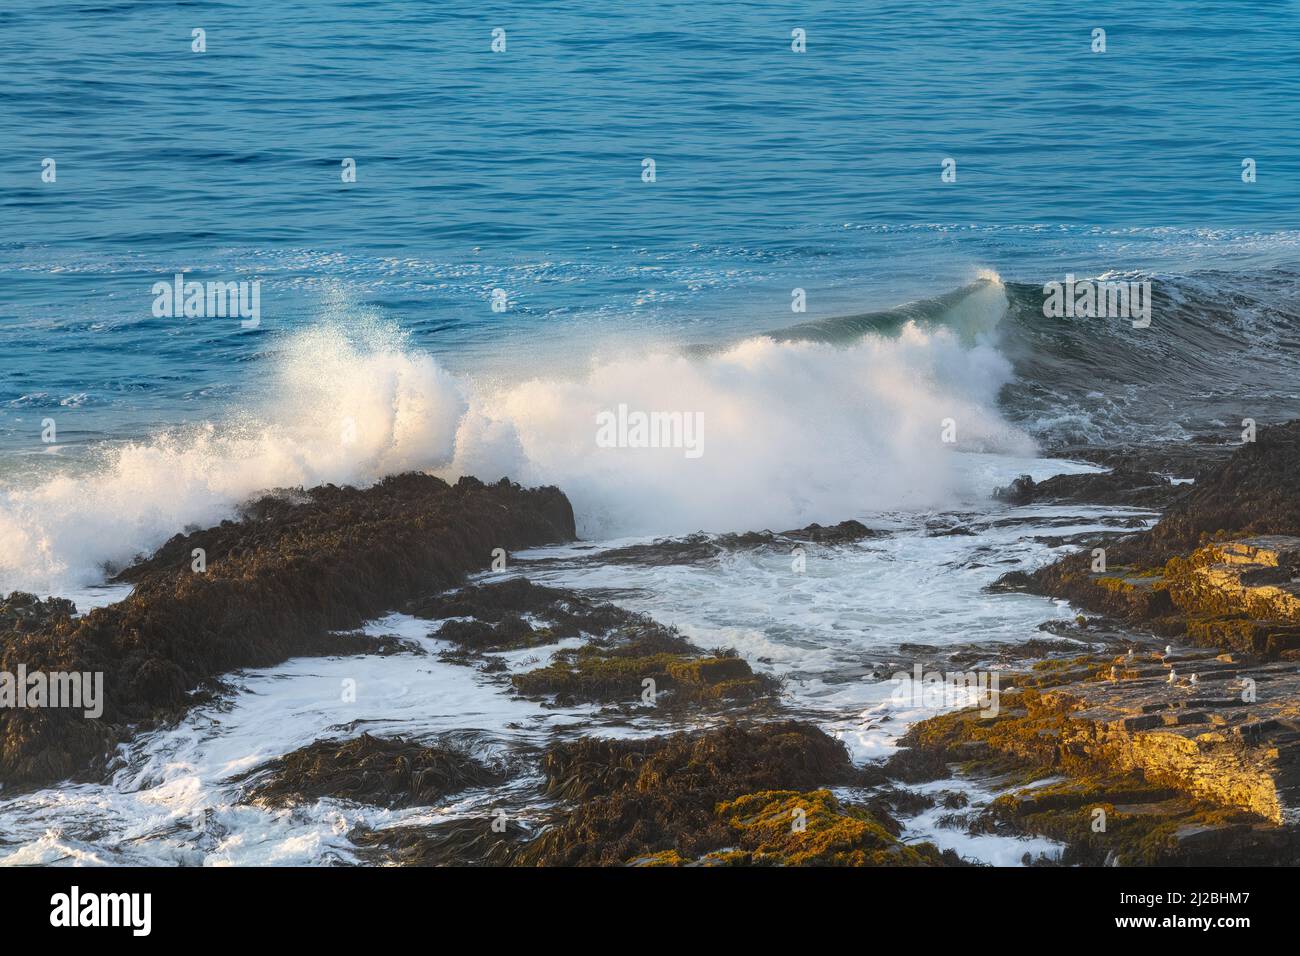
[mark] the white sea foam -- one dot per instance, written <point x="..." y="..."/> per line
<point x="793" y="432"/>
<point x="347" y="407"/>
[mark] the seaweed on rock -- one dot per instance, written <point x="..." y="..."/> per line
<point x="277" y="583"/>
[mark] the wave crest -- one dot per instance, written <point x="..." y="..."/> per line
<point x="794" y="431"/>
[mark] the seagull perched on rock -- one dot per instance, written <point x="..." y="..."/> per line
<point x="1195" y="680"/>
<point x="1173" y="675"/>
<point x="1129" y="656"/>
<point x="1169" y="650"/>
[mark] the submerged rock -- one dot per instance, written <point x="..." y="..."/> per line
<point x="628" y="657"/>
<point x="277" y="583"/>
<point x="701" y="547"/>
<point x="497" y="610"/>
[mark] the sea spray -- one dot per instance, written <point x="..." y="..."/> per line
<point x="798" y="432"/>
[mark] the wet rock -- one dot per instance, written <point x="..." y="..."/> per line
<point x="1210" y="752"/>
<point x="508" y="633"/>
<point x="699" y="548"/>
<point x="954" y="799"/>
<point x="623" y="652"/>
<point x="460" y="842"/>
<point x="617" y="668"/>
<point x="887" y="801"/>
<point x="1255" y="492"/>
<point x="1134" y="489"/>
<point x="1222" y="567"/>
<point x="497" y="611"/>
<point x="1183" y="459"/>
<point x="1011" y="583"/>
<point x="940" y="529"/>
<point x="846" y="532"/>
<point x="280" y="582"/>
<point x="637" y="798"/>
<point x="385" y="772"/>
<point x="1084" y="539"/>
<point x="21" y="612"/>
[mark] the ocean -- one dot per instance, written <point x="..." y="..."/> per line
<point x="839" y="264"/>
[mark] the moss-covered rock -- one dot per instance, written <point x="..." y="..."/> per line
<point x="616" y="669"/>
<point x="793" y="828"/>
<point x="1108" y="819"/>
<point x="1183" y="767"/>
<point x="805" y="828"/>
<point x="387" y="772"/>
<point x="1222" y="566"/>
<point x="21" y="612"/>
<point x="634" y="799"/>
<point x="279" y="582"/>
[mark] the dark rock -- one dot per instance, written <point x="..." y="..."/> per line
<point x="462" y="842"/>
<point x="617" y="668"/>
<point x="280" y="582"/>
<point x="382" y="772"/>
<point x="723" y="796"/>
<point x="497" y="608"/>
<point x="1255" y="492"/>
<point x="701" y="547"/>
<point x="1222" y="566"/>
<point x="1012" y="582"/>
<point x="21" y="612"/>
<point x="1182" y="459"/>
<point x="1121" y="488"/>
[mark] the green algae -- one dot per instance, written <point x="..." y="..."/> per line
<point x="1125" y="820"/>
<point x="636" y="798"/>
<point x="1101" y="811"/>
<point x="387" y="772"/>
<point x="641" y="670"/>
<point x="792" y="828"/>
<point x="804" y="828"/>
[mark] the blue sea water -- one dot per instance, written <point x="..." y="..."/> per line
<point x="521" y="170"/>
<point x="378" y="349"/>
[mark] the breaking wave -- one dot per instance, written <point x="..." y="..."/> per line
<point x="795" y="428"/>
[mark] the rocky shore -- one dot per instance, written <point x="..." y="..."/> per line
<point x="289" y="578"/>
<point x="1163" y="728"/>
<point x="1186" y="748"/>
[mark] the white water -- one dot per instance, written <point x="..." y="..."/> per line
<point x="792" y="433"/>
